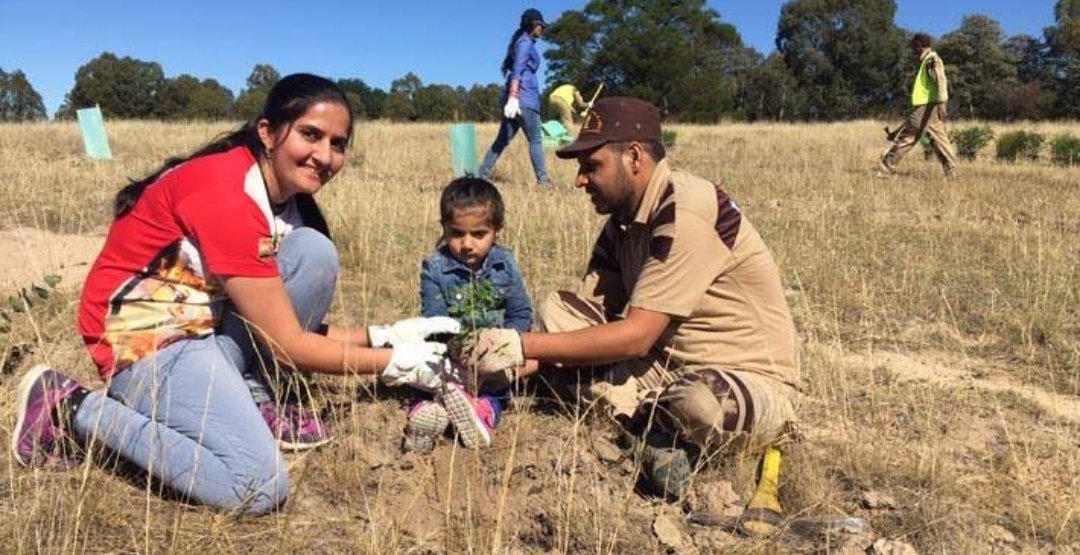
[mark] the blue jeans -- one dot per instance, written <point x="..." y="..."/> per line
<point x="308" y="264"/>
<point x="186" y="416"/>
<point x="529" y="121"/>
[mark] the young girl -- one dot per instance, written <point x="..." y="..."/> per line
<point x="471" y="214"/>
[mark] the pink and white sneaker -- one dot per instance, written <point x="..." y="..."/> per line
<point x="473" y="418"/>
<point x="424" y="423"/>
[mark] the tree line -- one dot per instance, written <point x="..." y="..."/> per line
<point x="834" y="60"/>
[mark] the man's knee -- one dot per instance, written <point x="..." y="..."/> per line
<point x="565" y="311"/>
<point x="713" y="408"/>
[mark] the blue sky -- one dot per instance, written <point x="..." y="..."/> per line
<point x="459" y="43"/>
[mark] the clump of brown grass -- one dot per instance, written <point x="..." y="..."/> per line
<point x="982" y="269"/>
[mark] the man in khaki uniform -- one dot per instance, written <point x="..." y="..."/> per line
<point x="929" y="95"/>
<point x="565" y="100"/>
<point x="681" y="309"/>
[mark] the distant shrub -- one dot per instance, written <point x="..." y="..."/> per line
<point x="667" y="137"/>
<point x="1065" y="150"/>
<point x="1019" y="144"/>
<point x="927" y="146"/>
<point x="970" y="140"/>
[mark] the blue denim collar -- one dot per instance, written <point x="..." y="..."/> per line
<point x="497" y="256"/>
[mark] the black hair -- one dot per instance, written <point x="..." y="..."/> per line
<point x="921" y="40"/>
<point x="655" y="149"/>
<point x="468" y="192"/>
<point x="287" y="100"/>
<point x="508" y="62"/>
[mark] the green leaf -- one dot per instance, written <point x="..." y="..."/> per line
<point x="40" y="291"/>
<point x="52" y="280"/>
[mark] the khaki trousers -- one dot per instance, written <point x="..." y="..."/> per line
<point x="711" y="407"/>
<point x="923" y="119"/>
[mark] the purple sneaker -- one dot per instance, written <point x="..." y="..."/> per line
<point x="295" y="428"/>
<point x="37" y="440"/>
<point x="473" y="418"/>
<point x="424" y="423"/>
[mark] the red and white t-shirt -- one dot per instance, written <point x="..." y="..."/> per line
<point x="156" y="279"/>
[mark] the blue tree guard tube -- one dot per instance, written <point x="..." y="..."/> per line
<point x="463" y="149"/>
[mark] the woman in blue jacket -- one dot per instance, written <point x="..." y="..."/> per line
<point x="521" y="97"/>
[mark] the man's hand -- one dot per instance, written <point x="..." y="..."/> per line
<point x="488" y="351"/>
<point x="420" y="365"/>
<point x="942" y="112"/>
<point x="412" y="330"/>
<point x="512" y="108"/>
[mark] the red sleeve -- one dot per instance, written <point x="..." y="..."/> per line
<point x="232" y="235"/>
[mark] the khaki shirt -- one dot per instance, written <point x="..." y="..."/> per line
<point x="691" y="254"/>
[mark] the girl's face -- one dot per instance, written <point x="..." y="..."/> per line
<point x="470" y="236"/>
<point x="305" y="154"/>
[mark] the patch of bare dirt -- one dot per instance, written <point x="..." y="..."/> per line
<point x="27" y="255"/>
<point x="957" y="371"/>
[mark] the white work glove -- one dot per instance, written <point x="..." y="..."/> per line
<point x="512" y="108"/>
<point x="411" y="330"/>
<point x="420" y="365"/>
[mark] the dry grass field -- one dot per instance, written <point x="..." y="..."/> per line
<point x="940" y="320"/>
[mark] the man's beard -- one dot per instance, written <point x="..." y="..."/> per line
<point x="619" y="207"/>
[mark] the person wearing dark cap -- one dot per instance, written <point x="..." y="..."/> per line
<point x="680" y="314"/>
<point x="521" y="97"/>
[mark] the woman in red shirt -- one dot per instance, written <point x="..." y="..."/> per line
<point x="205" y="254"/>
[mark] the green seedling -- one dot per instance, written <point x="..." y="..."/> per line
<point x="23" y="300"/>
<point x="476" y="304"/>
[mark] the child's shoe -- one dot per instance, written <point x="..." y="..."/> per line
<point x="424" y="423"/>
<point x="473" y="418"/>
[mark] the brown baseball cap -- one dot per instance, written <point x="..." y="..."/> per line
<point x="615" y="119"/>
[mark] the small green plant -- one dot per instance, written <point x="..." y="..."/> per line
<point x="667" y="137"/>
<point x="23" y="299"/>
<point x="970" y="140"/>
<point x="1019" y="145"/>
<point x="476" y="305"/>
<point x="1065" y="150"/>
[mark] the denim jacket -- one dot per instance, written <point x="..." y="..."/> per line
<point x="441" y="275"/>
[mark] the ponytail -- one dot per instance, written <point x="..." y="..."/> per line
<point x="246" y="135"/>
<point x="508" y="61"/>
<point x="310" y="213"/>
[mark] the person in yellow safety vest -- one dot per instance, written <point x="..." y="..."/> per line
<point x="564" y="100"/>
<point x="929" y="95"/>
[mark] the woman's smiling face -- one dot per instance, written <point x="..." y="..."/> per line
<point x="305" y="154"/>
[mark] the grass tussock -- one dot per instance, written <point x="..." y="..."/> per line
<point x="941" y="322"/>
